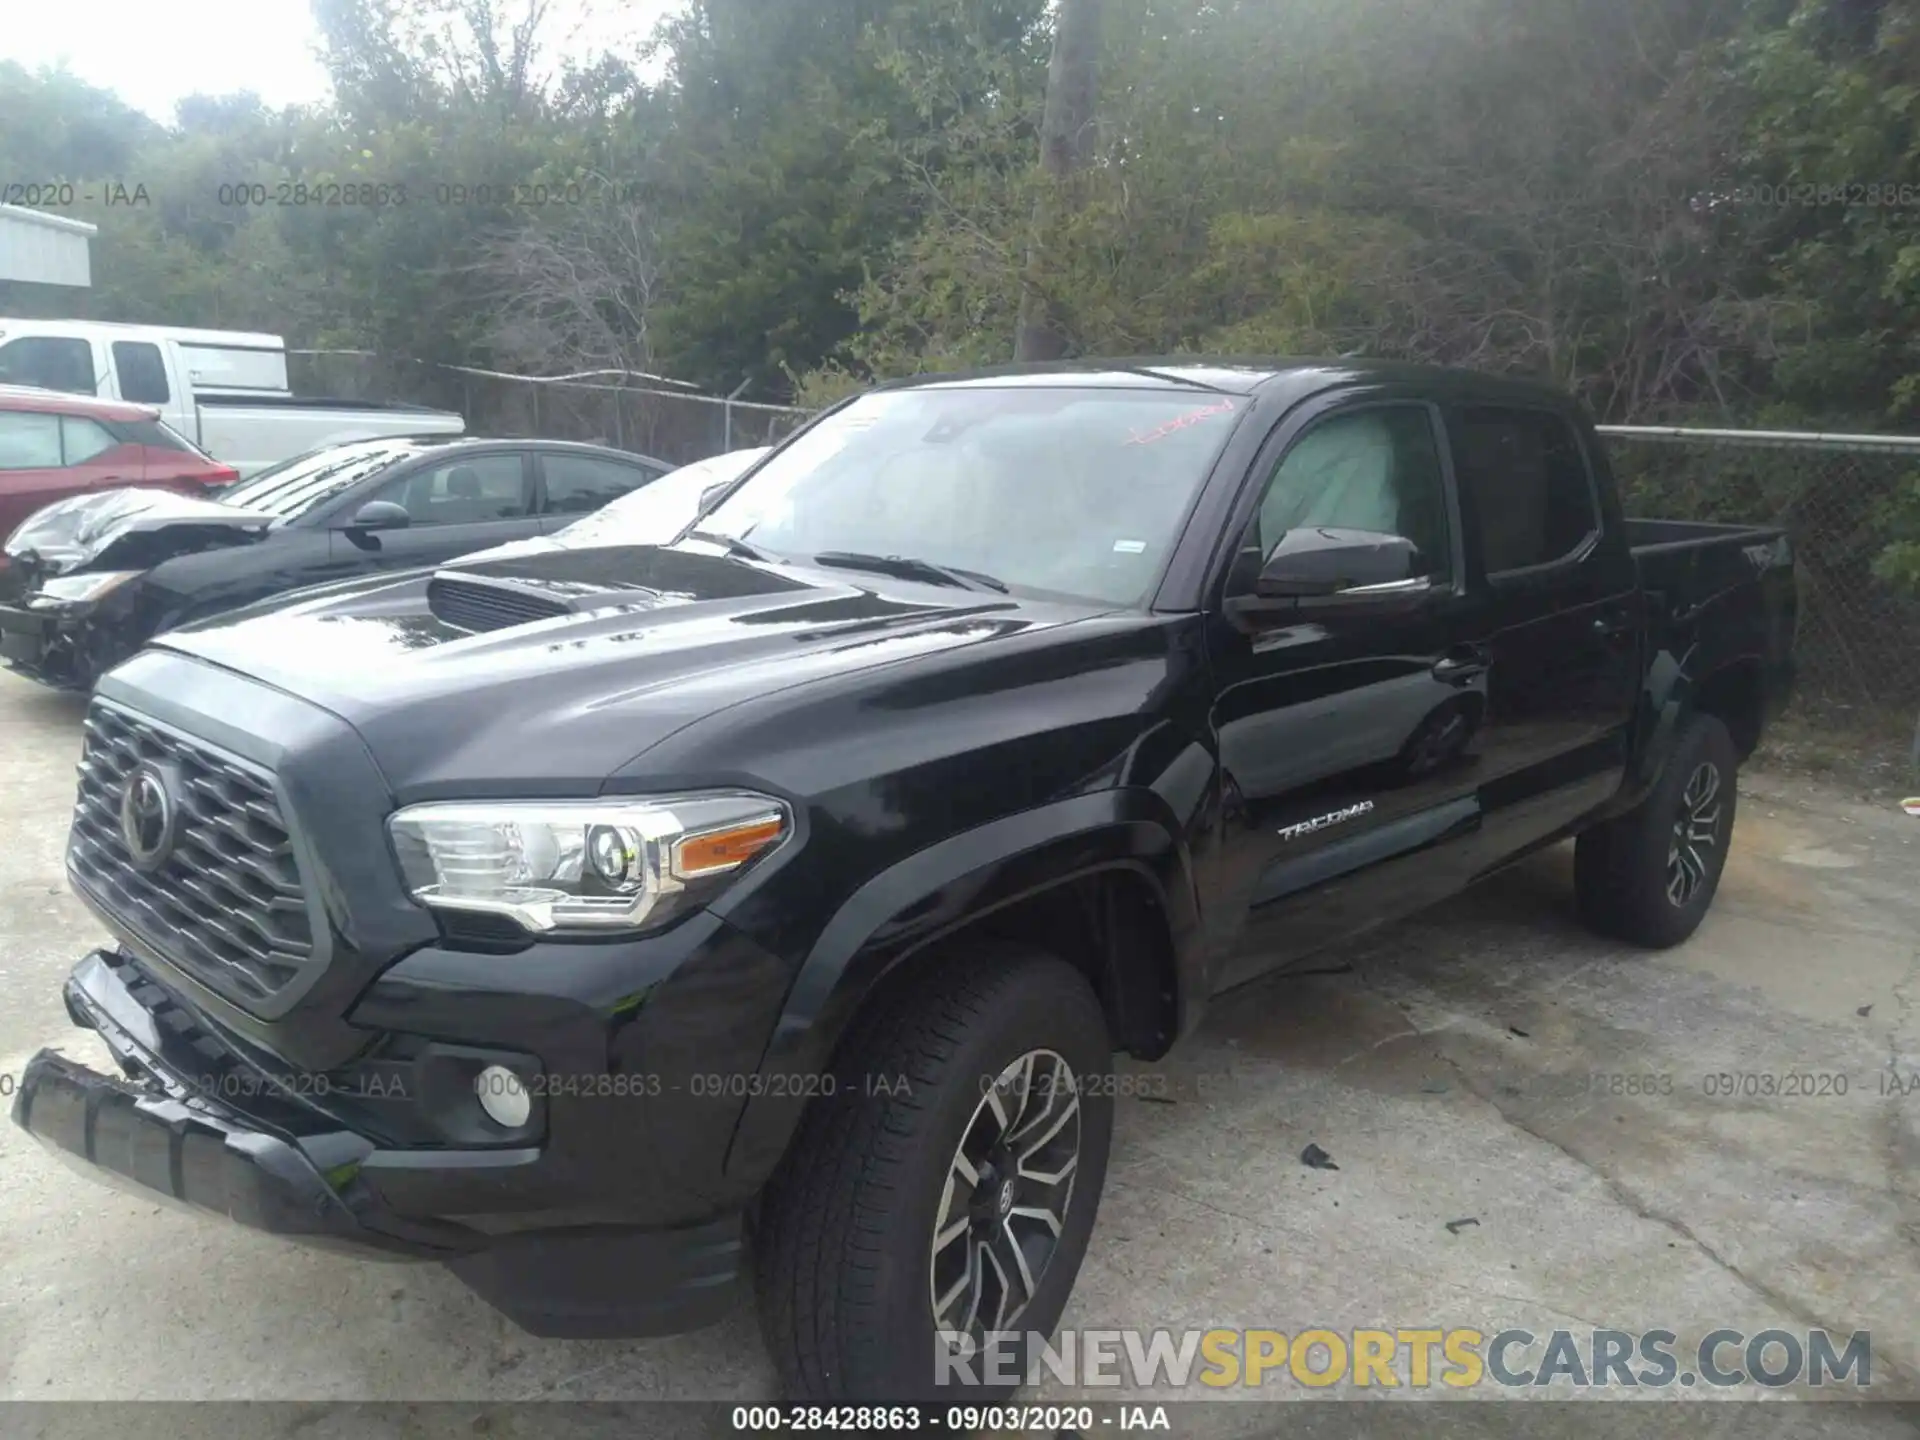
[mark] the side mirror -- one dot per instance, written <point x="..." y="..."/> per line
<point x="1317" y="569"/>
<point x="381" y="515"/>
<point x="1325" y="562"/>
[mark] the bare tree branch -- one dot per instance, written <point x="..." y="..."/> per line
<point x="577" y="290"/>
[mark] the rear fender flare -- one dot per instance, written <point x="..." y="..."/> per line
<point x="1672" y="693"/>
<point x="1666" y="699"/>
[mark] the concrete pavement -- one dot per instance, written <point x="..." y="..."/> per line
<point x="1461" y="1066"/>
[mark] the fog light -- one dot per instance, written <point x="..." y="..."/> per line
<point x="503" y="1095"/>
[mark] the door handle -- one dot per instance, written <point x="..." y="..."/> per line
<point x="1461" y="665"/>
<point x="1609" y="627"/>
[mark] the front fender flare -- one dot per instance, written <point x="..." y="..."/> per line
<point x="934" y="892"/>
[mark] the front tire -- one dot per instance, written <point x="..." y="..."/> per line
<point x="949" y="1181"/>
<point x="1649" y="877"/>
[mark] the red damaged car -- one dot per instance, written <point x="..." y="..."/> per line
<point x="54" y="445"/>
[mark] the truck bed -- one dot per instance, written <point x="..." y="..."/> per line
<point x="1721" y="597"/>
<point x="1649" y="536"/>
<point x="1694" y="561"/>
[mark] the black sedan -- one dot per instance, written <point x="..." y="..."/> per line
<point x="89" y="580"/>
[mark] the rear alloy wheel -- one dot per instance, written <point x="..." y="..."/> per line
<point x="1696" y="835"/>
<point x="1650" y="875"/>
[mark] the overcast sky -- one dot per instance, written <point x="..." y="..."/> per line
<point x="155" y="52"/>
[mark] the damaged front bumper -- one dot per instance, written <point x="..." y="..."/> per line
<point x="44" y="645"/>
<point x="188" y="1121"/>
<point x="66" y="644"/>
<point x="154" y="1130"/>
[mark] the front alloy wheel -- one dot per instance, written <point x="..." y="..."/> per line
<point x="951" y="1202"/>
<point x="1004" y="1205"/>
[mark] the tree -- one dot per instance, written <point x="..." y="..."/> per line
<point x="1068" y="139"/>
<point x="576" y="292"/>
<point x="55" y="126"/>
<point x="1588" y="189"/>
<point x="783" y="175"/>
<point x="390" y="58"/>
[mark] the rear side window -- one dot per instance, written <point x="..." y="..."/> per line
<point x="29" y="442"/>
<point x="1527" y="478"/>
<point x="50" y="362"/>
<point x="157" y="435"/>
<point x="143" y="376"/>
<point x="81" y="440"/>
<point x="579" y="484"/>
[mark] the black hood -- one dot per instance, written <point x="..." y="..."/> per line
<point x="630" y="645"/>
<point x="128" y="530"/>
<point x="499" y="589"/>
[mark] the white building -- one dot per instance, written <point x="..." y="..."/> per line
<point x="45" y="249"/>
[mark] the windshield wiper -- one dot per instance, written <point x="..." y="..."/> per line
<point x="906" y="567"/>
<point x="735" y="546"/>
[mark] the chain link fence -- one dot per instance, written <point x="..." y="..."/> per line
<point x="646" y="414"/>
<point x="1841" y="499"/>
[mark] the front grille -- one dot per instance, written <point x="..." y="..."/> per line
<point x="227" y="905"/>
<point x="19" y="574"/>
<point x="487" y="607"/>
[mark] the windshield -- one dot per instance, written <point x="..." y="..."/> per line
<point x="295" y="486"/>
<point x="1077" y="491"/>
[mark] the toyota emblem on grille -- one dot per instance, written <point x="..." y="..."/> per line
<point x="147" y="818"/>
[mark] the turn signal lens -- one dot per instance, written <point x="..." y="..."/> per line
<point x="722" y="850"/>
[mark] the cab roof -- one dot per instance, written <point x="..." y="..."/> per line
<point x="1237" y="375"/>
<point x="34" y="400"/>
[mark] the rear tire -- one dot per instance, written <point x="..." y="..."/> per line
<point x="1649" y="877"/>
<point x="870" y="1219"/>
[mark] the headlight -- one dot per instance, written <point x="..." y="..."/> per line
<point x="77" y="589"/>
<point x="592" y="866"/>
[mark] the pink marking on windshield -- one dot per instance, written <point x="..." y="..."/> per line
<point x="1179" y="423"/>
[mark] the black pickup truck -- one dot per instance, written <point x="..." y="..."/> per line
<point x="616" y="924"/>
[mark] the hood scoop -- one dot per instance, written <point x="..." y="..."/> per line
<point x="471" y="603"/>
<point x="496" y="590"/>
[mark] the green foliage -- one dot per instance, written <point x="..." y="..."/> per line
<point x="54" y="125"/>
<point x="1687" y="209"/>
<point x="1833" y="139"/>
<point x="826" y="386"/>
<point x="785" y="165"/>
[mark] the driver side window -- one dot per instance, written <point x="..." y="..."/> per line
<point x="468" y="491"/>
<point x="1374" y="469"/>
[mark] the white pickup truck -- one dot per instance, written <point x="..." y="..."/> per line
<point x="226" y="390"/>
